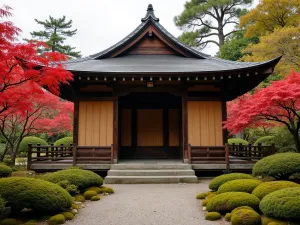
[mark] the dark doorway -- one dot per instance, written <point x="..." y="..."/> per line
<point x="150" y="126"/>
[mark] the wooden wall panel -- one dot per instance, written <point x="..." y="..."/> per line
<point x="126" y="127"/>
<point x="95" y="123"/>
<point x="205" y="123"/>
<point x="150" y="127"/>
<point x="173" y="127"/>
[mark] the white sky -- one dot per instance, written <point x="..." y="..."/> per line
<point x="100" y="23"/>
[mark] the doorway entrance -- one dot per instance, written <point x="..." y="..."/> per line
<point x="150" y="126"/>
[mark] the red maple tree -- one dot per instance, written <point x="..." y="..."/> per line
<point x="277" y="104"/>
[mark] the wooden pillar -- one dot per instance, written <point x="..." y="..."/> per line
<point x="184" y="128"/>
<point x="224" y="118"/>
<point x="76" y="118"/>
<point x="115" y="147"/>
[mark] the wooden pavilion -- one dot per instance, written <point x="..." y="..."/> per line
<point x="152" y="97"/>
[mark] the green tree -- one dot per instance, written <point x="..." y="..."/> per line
<point x="203" y="19"/>
<point x="54" y="34"/>
<point x="234" y="46"/>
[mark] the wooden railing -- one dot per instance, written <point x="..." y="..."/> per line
<point x="71" y="154"/>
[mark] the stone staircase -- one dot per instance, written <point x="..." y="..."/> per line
<point x="150" y="174"/>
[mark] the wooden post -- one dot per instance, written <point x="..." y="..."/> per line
<point x="112" y="154"/>
<point x="29" y="156"/>
<point x="227" y="162"/>
<point x="38" y="151"/>
<point x="190" y="153"/>
<point x="61" y="153"/>
<point x="52" y="151"/>
<point x="74" y="150"/>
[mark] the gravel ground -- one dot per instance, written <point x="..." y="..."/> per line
<point x="147" y="204"/>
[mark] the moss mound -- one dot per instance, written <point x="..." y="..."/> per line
<point x="241" y="185"/>
<point x="75" y="206"/>
<point x="268" y="220"/>
<point x="57" y="219"/>
<point x="95" y="198"/>
<point x="279" y="223"/>
<point x="23" y="148"/>
<point x="5" y="171"/>
<point x="81" y="178"/>
<point x="237" y="141"/>
<point x="268" y="187"/>
<point x="96" y="189"/>
<point x="107" y="190"/>
<point x="219" y="180"/>
<point x="280" y="166"/>
<point x="213" y="216"/>
<point x="31" y="222"/>
<point x="68" y="215"/>
<point x="79" y="198"/>
<point x="66" y="141"/>
<point x="9" y="221"/>
<point x="204" y="202"/>
<point x="241" y="207"/>
<point x="283" y="204"/>
<point x="265" y="141"/>
<point x="89" y="194"/>
<point x="245" y="217"/>
<point x="21" y="192"/>
<point x="228" y="201"/>
<point x="201" y="195"/>
<point x="228" y="217"/>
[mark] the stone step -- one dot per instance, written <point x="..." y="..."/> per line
<point x="150" y="179"/>
<point x="151" y="167"/>
<point x="187" y="172"/>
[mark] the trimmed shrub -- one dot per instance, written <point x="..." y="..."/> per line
<point x="71" y="188"/>
<point x="95" y="198"/>
<point x="81" y="178"/>
<point x="66" y="141"/>
<point x="265" y="141"/>
<point x="241" y="207"/>
<point x="204" y="202"/>
<point x="245" y="217"/>
<point x="39" y="195"/>
<point x="57" y="219"/>
<point x="96" y="189"/>
<point x="228" y="201"/>
<point x="9" y="221"/>
<point x="268" y="187"/>
<point x="213" y="216"/>
<point x="282" y="204"/>
<point x="280" y="166"/>
<point x="211" y="196"/>
<point x="68" y="215"/>
<point x="79" y="198"/>
<point x="30" y="140"/>
<point x="228" y="217"/>
<point x="201" y="195"/>
<point x="268" y="220"/>
<point x="237" y="141"/>
<point x="219" y="180"/>
<point x="2" y="205"/>
<point x="5" y="171"/>
<point x="241" y="185"/>
<point x="106" y="190"/>
<point x="89" y="194"/>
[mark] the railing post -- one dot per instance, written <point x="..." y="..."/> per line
<point x="29" y="156"/>
<point x="112" y="154"/>
<point x="74" y="150"/>
<point x="38" y="151"/>
<point x="189" y="153"/>
<point x="52" y="151"/>
<point x="261" y="154"/>
<point x="61" y="151"/>
<point x="227" y="162"/>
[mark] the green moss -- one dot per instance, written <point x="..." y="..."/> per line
<point x="278" y="223"/>
<point x="268" y="220"/>
<point x="57" y="219"/>
<point x="68" y="215"/>
<point x="241" y="207"/>
<point x="31" y="222"/>
<point x="201" y="195"/>
<point x="107" y="190"/>
<point x="219" y="180"/>
<point x="204" y="202"/>
<point x="66" y="141"/>
<point x="213" y="216"/>
<point x="9" y="221"/>
<point x="228" y="201"/>
<point x="81" y="178"/>
<point x="268" y="187"/>
<point x="280" y="166"/>
<point x="89" y="194"/>
<point x="228" y="217"/>
<point x="265" y="141"/>
<point x="5" y="171"/>
<point x="241" y="185"/>
<point x="96" y="189"/>
<point x="211" y="196"/>
<point x="282" y="204"/>
<point x="79" y="198"/>
<point x="39" y="195"/>
<point x="245" y="217"/>
<point x="95" y="198"/>
<point x="71" y="188"/>
<point x="31" y="140"/>
<point x="75" y="206"/>
<point x="237" y="141"/>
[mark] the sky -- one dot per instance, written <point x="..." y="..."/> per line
<point x="100" y="23"/>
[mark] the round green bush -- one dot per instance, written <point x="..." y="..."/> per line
<point x="237" y="141"/>
<point x="213" y="216"/>
<point x="201" y="195"/>
<point x="265" y="141"/>
<point x="268" y="187"/>
<point x="57" y="219"/>
<point x="241" y="207"/>
<point x="107" y="190"/>
<point x="9" y="221"/>
<point x="228" y="201"/>
<point x="79" y="198"/>
<point x="66" y="141"/>
<point x="268" y="220"/>
<point x="228" y="217"/>
<point x="81" y="178"/>
<point x="282" y="204"/>
<point x="30" y="140"/>
<point x="39" y="195"/>
<point x="241" y="185"/>
<point x="95" y="198"/>
<point x="68" y="215"/>
<point x="280" y="166"/>
<point x="5" y="171"/>
<point x="245" y="217"/>
<point x="219" y="180"/>
<point x="89" y="194"/>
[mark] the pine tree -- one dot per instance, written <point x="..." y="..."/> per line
<point x="54" y="34"/>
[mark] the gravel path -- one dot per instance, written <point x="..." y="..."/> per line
<point x="147" y="204"/>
